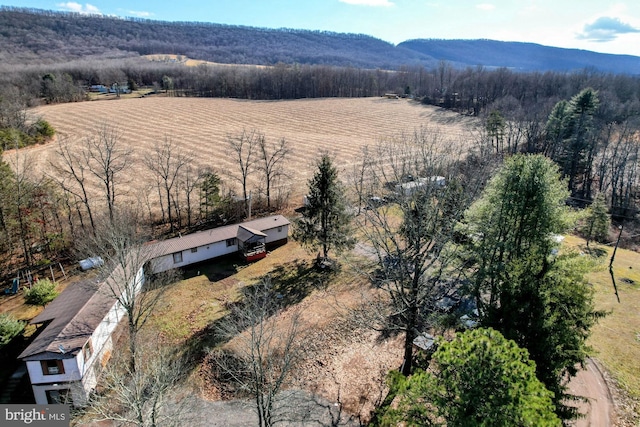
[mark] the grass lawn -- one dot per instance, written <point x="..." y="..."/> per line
<point x="616" y="338"/>
<point x="188" y="311"/>
<point x="192" y="304"/>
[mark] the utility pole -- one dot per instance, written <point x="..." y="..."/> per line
<point x="621" y="227"/>
<point x="613" y="277"/>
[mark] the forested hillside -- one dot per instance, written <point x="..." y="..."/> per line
<point x="38" y="36"/>
<point x="30" y="35"/>
<point x="522" y="56"/>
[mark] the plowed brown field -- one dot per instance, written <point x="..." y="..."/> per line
<point x="201" y="126"/>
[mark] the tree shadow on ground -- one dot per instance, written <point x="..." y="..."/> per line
<point x="214" y="270"/>
<point x="290" y="284"/>
<point x="295" y="280"/>
<point x="594" y="251"/>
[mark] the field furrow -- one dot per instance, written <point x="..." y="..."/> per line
<point x="201" y="126"/>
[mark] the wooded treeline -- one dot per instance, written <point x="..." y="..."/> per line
<point x="471" y="90"/>
<point x="586" y="121"/>
<point x="46" y="36"/>
<point x="47" y="214"/>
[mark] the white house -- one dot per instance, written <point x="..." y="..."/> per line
<point x="408" y="188"/>
<point x="75" y="342"/>
<point x="205" y="245"/>
<point x="64" y="360"/>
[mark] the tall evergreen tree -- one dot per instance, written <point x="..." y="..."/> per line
<point x="480" y="379"/>
<point x="556" y="129"/>
<point x="495" y="128"/>
<point x="597" y="221"/>
<point x="538" y="299"/>
<point x="571" y="138"/>
<point x="325" y="221"/>
<point x="209" y="186"/>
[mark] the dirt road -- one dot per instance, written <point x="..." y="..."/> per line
<point x="598" y="408"/>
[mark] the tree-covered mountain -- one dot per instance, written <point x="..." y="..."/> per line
<point x="39" y="36"/>
<point x="28" y="35"/>
<point x="522" y="56"/>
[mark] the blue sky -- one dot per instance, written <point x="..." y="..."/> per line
<point x="601" y="26"/>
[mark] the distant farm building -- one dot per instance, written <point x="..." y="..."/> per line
<point x="98" y="89"/>
<point x="408" y="188"/>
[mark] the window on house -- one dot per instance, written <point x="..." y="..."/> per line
<point x="194" y="250"/>
<point x="279" y="229"/>
<point x="60" y="396"/>
<point x="177" y="257"/>
<point x="231" y="242"/>
<point x="52" y="367"/>
<point x="87" y="350"/>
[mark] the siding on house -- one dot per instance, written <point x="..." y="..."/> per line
<point x="212" y="243"/>
<point x="84" y="311"/>
<point x="203" y="253"/>
<point x="77" y="332"/>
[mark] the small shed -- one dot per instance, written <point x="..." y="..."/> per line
<point x="251" y="243"/>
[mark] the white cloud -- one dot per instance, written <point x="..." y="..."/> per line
<point x="485" y="6"/>
<point x="606" y="29"/>
<point x="78" y="8"/>
<point x="139" y="14"/>
<point x="374" y="3"/>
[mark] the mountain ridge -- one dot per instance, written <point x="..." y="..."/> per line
<point x="41" y="36"/>
<point x="537" y="58"/>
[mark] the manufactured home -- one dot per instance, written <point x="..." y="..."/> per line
<point x="75" y="337"/>
<point x="411" y="187"/>
<point x="250" y="239"/>
<point x="74" y="342"/>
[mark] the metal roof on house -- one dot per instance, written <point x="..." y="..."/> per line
<point x="246" y="234"/>
<point x="214" y="235"/>
<point x="73" y="315"/>
<point x="76" y="313"/>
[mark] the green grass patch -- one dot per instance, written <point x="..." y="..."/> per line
<point x="616" y="338"/>
<point x="189" y="306"/>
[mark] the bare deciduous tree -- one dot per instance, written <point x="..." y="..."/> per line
<point x="409" y="238"/>
<point x="23" y="211"/>
<point x="360" y="178"/>
<point x="106" y="158"/>
<point x="71" y="176"/>
<point x="189" y="182"/>
<point x="166" y="162"/>
<point x="244" y="147"/>
<point x="148" y="396"/>
<point x="121" y="245"/>
<point x="272" y="162"/>
<point x="263" y="351"/>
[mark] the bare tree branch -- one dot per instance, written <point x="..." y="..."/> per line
<point x="166" y="162"/>
<point x="244" y="147"/>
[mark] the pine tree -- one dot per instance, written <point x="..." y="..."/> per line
<point x="41" y="293"/>
<point x="479" y="379"/>
<point x="540" y="300"/>
<point x="10" y="327"/>
<point x="597" y="221"/>
<point x="325" y="221"/>
<point x="572" y="139"/>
